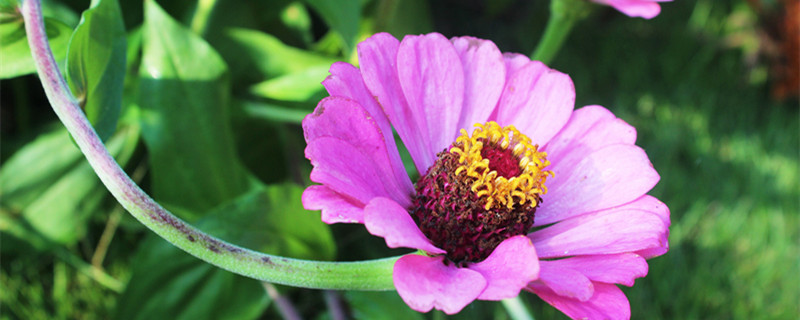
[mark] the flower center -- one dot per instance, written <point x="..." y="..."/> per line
<point x="482" y="190"/>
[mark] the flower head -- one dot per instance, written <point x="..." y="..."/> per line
<point x="647" y="9"/>
<point x="516" y="190"/>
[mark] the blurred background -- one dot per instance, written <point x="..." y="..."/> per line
<point x="212" y="93"/>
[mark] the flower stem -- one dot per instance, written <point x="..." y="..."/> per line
<point x="361" y="275"/>
<point x="564" y="14"/>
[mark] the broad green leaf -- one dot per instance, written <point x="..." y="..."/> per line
<point x="184" y="96"/>
<point x="274" y="112"/>
<point x="48" y="187"/>
<point x="168" y="283"/>
<point x="265" y="142"/>
<point x="379" y="305"/>
<point x="342" y="16"/>
<point x="15" y="55"/>
<point x="270" y="56"/>
<point x="60" y="10"/>
<point x="272" y="219"/>
<point x="299" y="86"/>
<point x="35" y="167"/>
<point x="96" y="64"/>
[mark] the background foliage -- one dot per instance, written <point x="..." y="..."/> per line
<point x="201" y="103"/>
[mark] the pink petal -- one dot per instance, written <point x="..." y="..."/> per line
<point x="589" y="128"/>
<point x="385" y="218"/>
<point x="537" y="100"/>
<point x="656" y="251"/>
<point x="346" y="81"/>
<point x="657" y="207"/>
<point x="348" y="153"/>
<point x="510" y="267"/>
<point x="484" y="78"/>
<point x="433" y="82"/>
<point x="514" y="62"/>
<point x="608" y="302"/>
<point x="378" y="59"/>
<point x="650" y="203"/>
<point x="335" y="207"/>
<point x="346" y="169"/>
<point x="621" y="268"/>
<point x="426" y="282"/>
<point x="566" y="282"/>
<point x="647" y="9"/>
<point x="615" y="230"/>
<point x="586" y="182"/>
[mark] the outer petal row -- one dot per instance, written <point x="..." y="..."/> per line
<point x="604" y="248"/>
<point x="346" y="81"/>
<point x="385" y="218"/>
<point x="575" y="277"/>
<point x="607" y="302"/>
<point x="605" y="225"/>
<point x="350" y="159"/>
<point x="427" y="282"/>
<point x="626" y="228"/>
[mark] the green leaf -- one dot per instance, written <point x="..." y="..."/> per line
<point x="168" y="283"/>
<point x="299" y="86"/>
<point x="272" y="219"/>
<point x="296" y="17"/>
<point x="96" y="64"/>
<point x="48" y="188"/>
<point x="273" y="112"/>
<point x="184" y="96"/>
<point x="405" y="17"/>
<point x="270" y="56"/>
<point x="379" y="305"/>
<point x="342" y="16"/>
<point x="14" y="51"/>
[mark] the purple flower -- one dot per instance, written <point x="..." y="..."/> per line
<point x="647" y="9"/>
<point x="500" y="152"/>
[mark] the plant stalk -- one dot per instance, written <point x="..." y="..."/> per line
<point x="361" y="275"/>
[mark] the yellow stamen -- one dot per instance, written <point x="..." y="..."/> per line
<point x="526" y="187"/>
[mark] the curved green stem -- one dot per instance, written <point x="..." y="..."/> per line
<point x="362" y="275"/>
<point x="563" y="16"/>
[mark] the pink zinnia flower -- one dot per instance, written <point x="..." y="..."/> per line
<point x="500" y="152"/>
<point x="647" y="9"/>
